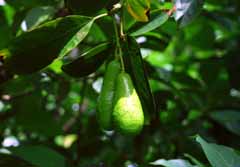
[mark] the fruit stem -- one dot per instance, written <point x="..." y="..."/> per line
<point x="118" y="50"/>
<point x="115" y="8"/>
<point x="100" y="16"/>
<point x="122" y="35"/>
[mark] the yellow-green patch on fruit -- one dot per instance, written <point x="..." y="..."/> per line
<point x="128" y="116"/>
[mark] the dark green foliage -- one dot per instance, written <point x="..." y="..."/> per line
<point x="11" y="161"/>
<point x="184" y="64"/>
<point x="135" y="67"/>
<point x="31" y="51"/>
<point x="89" y="62"/>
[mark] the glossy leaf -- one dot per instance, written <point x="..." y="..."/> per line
<point x="172" y="163"/>
<point x="27" y="56"/>
<point x="186" y="10"/>
<point x="83" y="7"/>
<point x="40" y="156"/>
<point x="139" y="9"/>
<point x="194" y="160"/>
<point x="219" y="155"/>
<point x="10" y="160"/>
<point x="134" y="66"/>
<point x="88" y="62"/>
<point x="155" y="23"/>
<point x="77" y="38"/>
<point x="229" y="119"/>
<point x="39" y="15"/>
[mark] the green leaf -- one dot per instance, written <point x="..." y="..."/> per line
<point x="172" y="163"/>
<point x="24" y="4"/>
<point x="83" y="7"/>
<point x="187" y="10"/>
<point x="39" y="15"/>
<point x="10" y="160"/>
<point x="229" y="119"/>
<point x="134" y="66"/>
<point x="31" y="113"/>
<point x="155" y="23"/>
<point x="194" y="160"/>
<point x="18" y="19"/>
<point x="139" y="9"/>
<point x="218" y="155"/>
<point x="88" y="62"/>
<point x="5" y="29"/>
<point x="77" y="38"/>
<point x="40" y="156"/>
<point x="36" y="49"/>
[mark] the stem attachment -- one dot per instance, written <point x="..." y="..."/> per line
<point x="118" y="50"/>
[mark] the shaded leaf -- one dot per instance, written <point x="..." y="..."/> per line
<point x="88" y="62"/>
<point x="11" y="161"/>
<point x="38" y="15"/>
<point x="229" y="119"/>
<point x="134" y="66"/>
<point x="90" y="7"/>
<point x="40" y="156"/>
<point x="31" y="113"/>
<point x="218" y="155"/>
<point x="194" y="160"/>
<point x="37" y="48"/>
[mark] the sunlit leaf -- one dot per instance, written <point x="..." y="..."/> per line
<point x="155" y="23"/>
<point x="139" y="9"/>
<point x="77" y="38"/>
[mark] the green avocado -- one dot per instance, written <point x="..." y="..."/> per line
<point x="105" y="100"/>
<point x="128" y="116"/>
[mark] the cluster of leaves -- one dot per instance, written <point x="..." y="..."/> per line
<point x="51" y="76"/>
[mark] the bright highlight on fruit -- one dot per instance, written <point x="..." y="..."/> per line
<point x="119" y="106"/>
<point x="128" y="116"/>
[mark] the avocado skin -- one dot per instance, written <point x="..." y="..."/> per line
<point x="128" y="116"/>
<point x="105" y="100"/>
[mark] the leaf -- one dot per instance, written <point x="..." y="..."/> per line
<point x="30" y="4"/>
<point x="32" y="116"/>
<point x="134" y="66"/>
<point x="10" y="160"/>
<point x="18" y="19"/>
<point x="155" y="23"/>
<point x="40" y="156"/>
<point x="194" y="160"/>
<point x="39" y="15"/>
<point x="34" y="50"/>
<point x="172" y="163"/>
<point x="229" y="119"/>
<point x="83" y="7"/>
<point x="5" y="29"/>
<point x="218" y="155"/>
<point x="77" y="38"/>
<point x="139" y="9"/>
<point x="187" y="10"/>
<point x="88" y="62"/>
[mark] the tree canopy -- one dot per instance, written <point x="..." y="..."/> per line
<point x="181" y="64"/>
